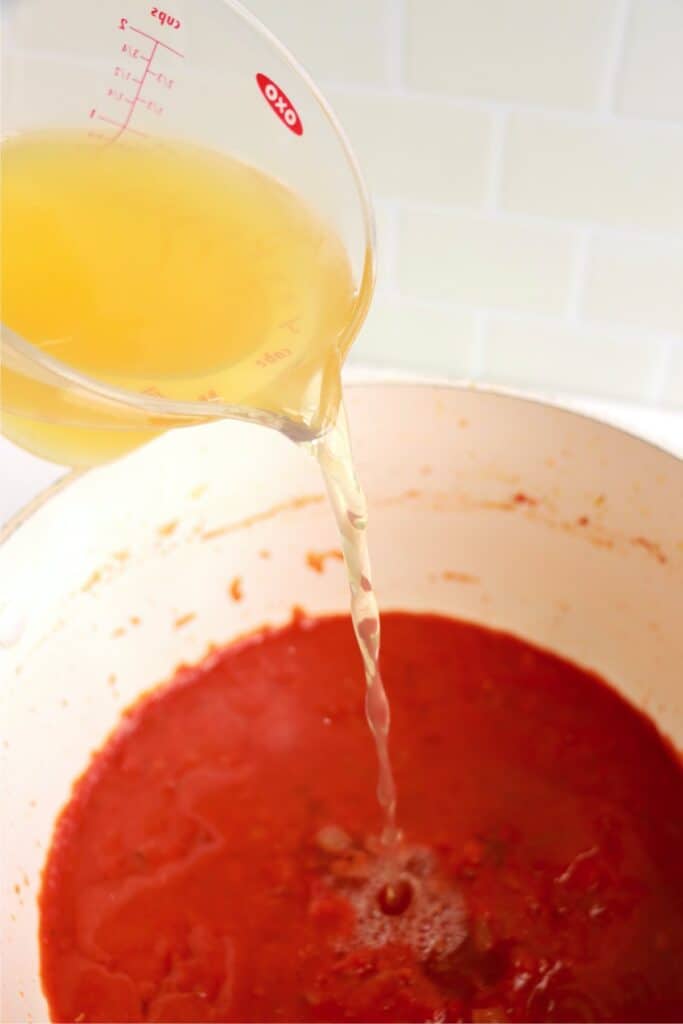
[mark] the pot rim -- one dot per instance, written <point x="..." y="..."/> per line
<point x="357" y="378"/>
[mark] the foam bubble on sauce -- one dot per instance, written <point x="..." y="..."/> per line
<point x="403" y="899"/>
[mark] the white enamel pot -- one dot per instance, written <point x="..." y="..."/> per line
<point x="562" y="530"/>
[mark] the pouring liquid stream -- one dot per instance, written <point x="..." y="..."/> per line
<point x="333" y="452"/>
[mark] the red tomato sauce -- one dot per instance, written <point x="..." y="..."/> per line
<point x="216" y="862"/>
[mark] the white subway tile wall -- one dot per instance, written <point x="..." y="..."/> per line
<point x="526" y="161"/>
<point x="515" y="51"/>
<point x="451" y="147"/>
<point x="333" y="39"/>
<point x="639" y="283"/>
<point x="613" y="173"/>
<point x="545" y="354"/>
<point x="651" y="79"/>
<point x="397" y="326"/>
<point x="481" y="261"/>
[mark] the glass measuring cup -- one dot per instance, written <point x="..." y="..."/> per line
<point x="203" y="73"/>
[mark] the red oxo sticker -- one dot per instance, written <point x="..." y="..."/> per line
<point x="280" y="103"/>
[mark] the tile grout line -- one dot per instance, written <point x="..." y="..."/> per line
<point x="565" y="224"/>
<point x="486" y="105"/>
<point x="615" y="55"/>
<point x="494" y="186"/>
<point x="608" y="328"/>
<point x="577" y="281"/>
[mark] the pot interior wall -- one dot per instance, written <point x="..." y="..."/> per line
<point x="506" y="512"/>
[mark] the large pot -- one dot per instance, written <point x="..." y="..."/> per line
<point x="557" y="528"/>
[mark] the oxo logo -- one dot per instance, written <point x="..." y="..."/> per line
<point x="280" y="103"/>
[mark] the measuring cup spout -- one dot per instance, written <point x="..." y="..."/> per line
<point x="63" y="415"/>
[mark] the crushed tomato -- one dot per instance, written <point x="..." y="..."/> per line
<point x="216" y="861"/>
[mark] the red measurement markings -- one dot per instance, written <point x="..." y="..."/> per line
<point x="133" y="51"/>
<point x="123" y="73"/>
<point x="157" y="42"/>
<point x="117" y="124"/>
<point x="268" y="358"/>
<point x="118" y="95"/>
<point x="136" y="97"/>
<point x="291" y="325"/>
<point x="165" y="19"/>
<point x="150" y="105"/>
<point x="162" y="79"/>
